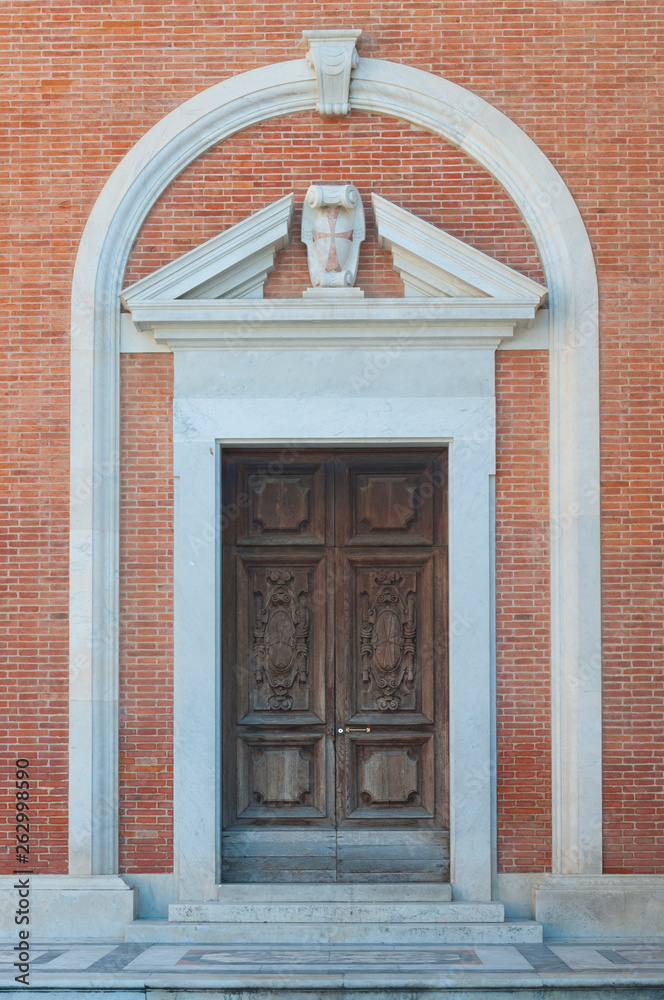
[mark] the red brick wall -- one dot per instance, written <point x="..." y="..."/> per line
<point x="146" y="614"/>
<point x="34" y="518"/>
<point x="34" y="504"/>
<point x="632" y="537"/>
<point x="578" y="77"/>
<point x="523" y="703"/>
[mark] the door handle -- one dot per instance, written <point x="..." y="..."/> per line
<point x="351" y="729"/>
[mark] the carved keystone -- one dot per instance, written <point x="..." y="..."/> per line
<point x="332" y="56"/>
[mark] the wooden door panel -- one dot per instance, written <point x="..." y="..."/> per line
<point x="390" y="498"/>
<point x="277" y="498"/>
<point x="389" y="637"/>
<point x="281" y="777"/>
<point x="282" y="637"/>
<point x="391" y="776"/>
<point x="279" y="768"/>
<point x="391" y="681"/>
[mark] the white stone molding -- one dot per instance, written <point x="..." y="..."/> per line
<point x="331" y="322"/>
<point x="333" y="229"/>
<point x="549" y="211"/>
<point x="332" y="56"/>
<point x="233" y="264"/>
<point x="430" y="262"/>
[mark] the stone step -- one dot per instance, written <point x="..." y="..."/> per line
<point x="324" y="892"/>
<point x="384" y="912"/>
<point x="186" y="932"/>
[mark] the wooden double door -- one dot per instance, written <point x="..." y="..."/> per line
<point x="334" y="666"/>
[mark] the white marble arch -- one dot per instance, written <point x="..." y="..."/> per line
<point x="554" y="220"/>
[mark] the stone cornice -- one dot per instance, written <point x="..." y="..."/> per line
<point x="286" y="312"/>
<point x="328" y="323"/>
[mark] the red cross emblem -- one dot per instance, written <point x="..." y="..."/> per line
<point x="333" y="263"/>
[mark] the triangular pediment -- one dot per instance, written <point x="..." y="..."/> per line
<point x="455" y="293"/>
<point x="232" y="265"/>
<point x="433" y="264"/>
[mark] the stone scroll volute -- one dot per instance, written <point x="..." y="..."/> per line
<point x="333" y="56"/>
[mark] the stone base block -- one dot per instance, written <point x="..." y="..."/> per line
<point x="67" y="907"/>
<point x="608" y="907"/>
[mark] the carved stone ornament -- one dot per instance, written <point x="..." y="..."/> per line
<point x="387" y="639"/>
<point x="281" y="638"/>
<point x="332" y="56"/>
<point x="333" y="228"/>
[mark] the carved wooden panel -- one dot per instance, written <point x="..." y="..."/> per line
<point x="391" y="644"/>
<point x="387" y="503"/>
<point x="281" y="640"/>
<point x="388" y="641"/>
<point x="276" y="497"/>
<point x="391" y="498"/>
<point x="388" y="776"/>
<point x="281" y="776"/>
<point x="282" y="644"/>
<point x="391" y="777"/>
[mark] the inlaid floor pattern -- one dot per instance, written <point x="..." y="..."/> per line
<point x="133" y="960"/>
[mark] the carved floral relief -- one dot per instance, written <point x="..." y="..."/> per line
<point x="281" y="638"/>
<point x="387" y="640"/>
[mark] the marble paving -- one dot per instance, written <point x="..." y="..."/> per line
<point x="115" y="964"/>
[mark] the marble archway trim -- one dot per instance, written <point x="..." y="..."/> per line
<point x="554" y="220"/>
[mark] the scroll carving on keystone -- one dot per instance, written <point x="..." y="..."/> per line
<point x="387" y="640"/>
<point x="332" y="56"/>
<point x="333" y="228"/>
<point x="281" y="638"/>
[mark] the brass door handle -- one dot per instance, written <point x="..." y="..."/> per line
<point x="351" y="729"/>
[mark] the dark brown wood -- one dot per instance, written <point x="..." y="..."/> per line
<point x="391" y="498"/>
<point x="334" y="618"/>
<point x="277" y="497"/>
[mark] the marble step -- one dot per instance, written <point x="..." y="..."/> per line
<point x="384" y="912"/>
<point x="186" y="932"/>
<point x="324" y="892"/>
